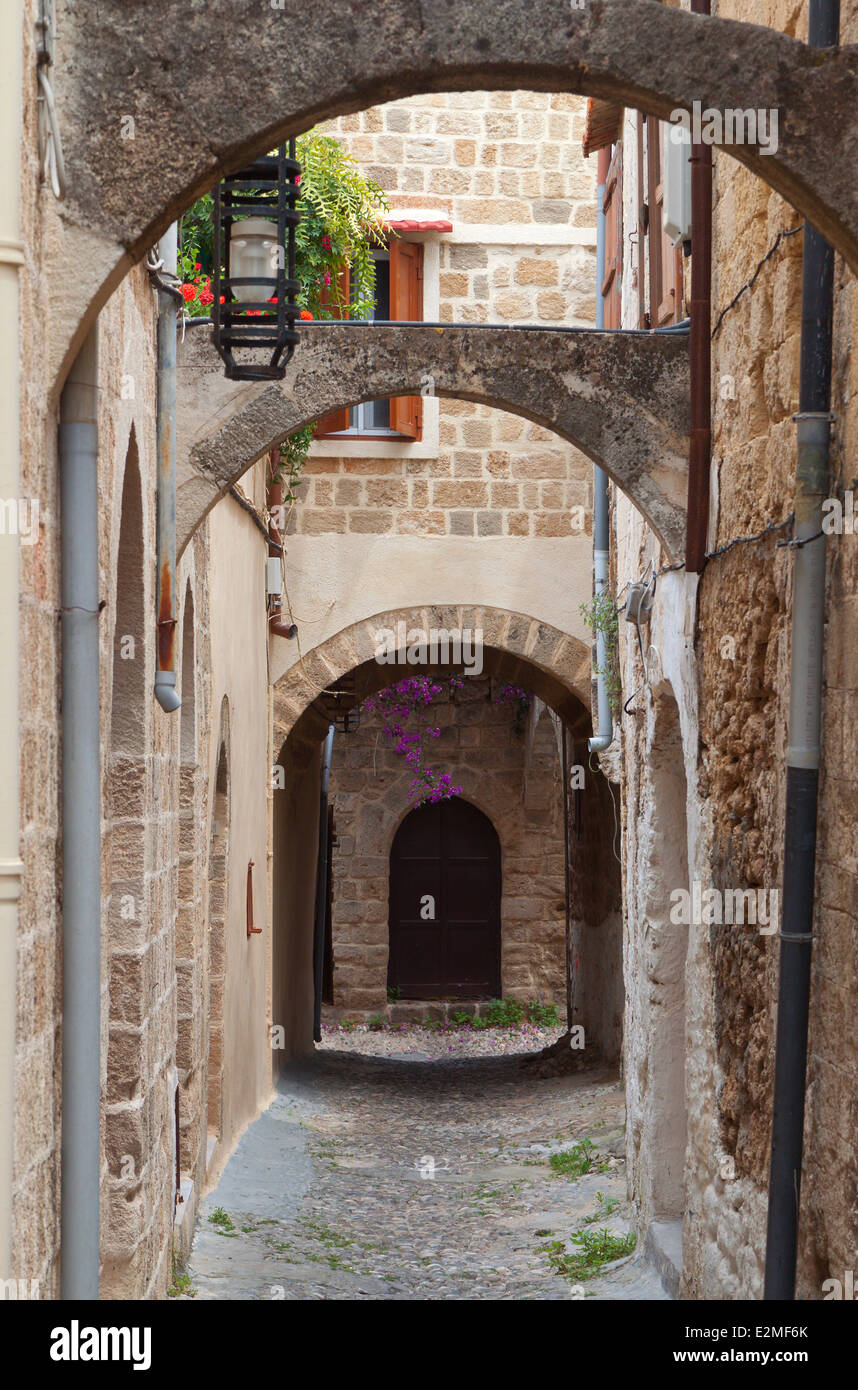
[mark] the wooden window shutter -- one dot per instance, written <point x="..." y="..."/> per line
<point x="665" y="261"/>
<point x="406" y="304"/>
<point x="338" y="420"/>
<point x="613" y="209"/>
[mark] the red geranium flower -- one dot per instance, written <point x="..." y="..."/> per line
<point x="206" y="297"/>
<point x="305" y="314"/>
<point x="188" y="293"/>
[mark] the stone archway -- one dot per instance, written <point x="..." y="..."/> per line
<point x="621" y="398"/>
<point x="632" y="51"/>
<point x="556" y="664"/>
<point x="551" y="664"/>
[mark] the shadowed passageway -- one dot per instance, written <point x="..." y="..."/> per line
<point x="422" y="1174"/>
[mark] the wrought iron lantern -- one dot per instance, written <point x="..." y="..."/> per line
<point x="253" y="275"/>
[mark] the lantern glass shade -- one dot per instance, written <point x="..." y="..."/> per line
<point x="255" y="286"/>
<point x="253" y="251"/>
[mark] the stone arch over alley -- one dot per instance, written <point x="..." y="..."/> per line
<point x="519" y="789"/>
<point x="622" y="399"/>
<point x="651" y="57"/>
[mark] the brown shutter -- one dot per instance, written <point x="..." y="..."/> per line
<point x="338" y="420"/>
<point x="665" y="261"/>
<point x="406" y="303"/>
<point x="613" y="210"/>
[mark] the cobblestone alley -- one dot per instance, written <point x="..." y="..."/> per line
<point x="424" y="1173"/>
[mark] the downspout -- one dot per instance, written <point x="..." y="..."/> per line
<point x="321" y="889"/>
<point x="81" y="828"/>
<point x="11" y="868"/>
<point x="165" y="674"/>
<point x="803" y="752"/>
<point x="700" y="349"/>
<point x="277" y="550"/>
<point x="601" y="510"/>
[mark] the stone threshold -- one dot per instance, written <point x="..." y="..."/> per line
<point x="410" y="1011"/>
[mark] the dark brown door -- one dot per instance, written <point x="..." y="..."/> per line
<point x="445" y="890"/>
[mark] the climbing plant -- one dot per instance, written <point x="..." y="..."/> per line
<point x="519" y="699"/>
<point x="407" y="725"/>
<point x="343" y="216"/>
<point x="600" y="615"/>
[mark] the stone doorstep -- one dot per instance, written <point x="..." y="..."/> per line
<point x="663" y="1250"/>
<point x="413" y="1011"/>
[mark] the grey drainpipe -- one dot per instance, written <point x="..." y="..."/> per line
<point x="165" y="675"/>
<point x="601" y="536"/>
<point x="81" y="828"/>
<point x="321" y="889"/>
<point x="812" y="486"/>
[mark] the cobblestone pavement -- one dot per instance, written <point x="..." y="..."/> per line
<point x="407" y="1177"/>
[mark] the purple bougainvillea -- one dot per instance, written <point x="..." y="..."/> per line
<point x="520" y="699"/>
<point x="407" y="703"/>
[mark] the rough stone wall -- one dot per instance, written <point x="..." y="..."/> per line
<point x="723" y="652"/>
<point x="38" y="1061"/>
<point x="514" y="778"/>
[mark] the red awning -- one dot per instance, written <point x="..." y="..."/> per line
<point x="409" y="224"/>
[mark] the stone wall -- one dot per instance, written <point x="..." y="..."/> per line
<point x="721" y="656"/>
<point x="513" y="776"/>
<point x="484" y="161"/>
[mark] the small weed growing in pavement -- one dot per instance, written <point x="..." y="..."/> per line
<point x="575" y="1162"/>
<point x="394" y="994"/>
<point x="376" y="1023"/>
<point x="181" y="1285"/>
<point x="606" y="1206"/>
<point x="595" y="1249"/>
<point x="223" y="1221"/>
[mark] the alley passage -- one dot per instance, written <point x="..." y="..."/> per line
<point x="409" y="1177"/>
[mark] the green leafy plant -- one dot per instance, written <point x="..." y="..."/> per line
<point x="595" y="1250"/>
<point x="223" y="1221"/>
<point x="604" y="1209"/>
<point x="182" y="1284"/>
<point x="376" y="1023"/>
<point x="600" y="615"/>
<point x="577" y="1161"/>
<point x="343" y="216"/>
<point x="394" y="993"/>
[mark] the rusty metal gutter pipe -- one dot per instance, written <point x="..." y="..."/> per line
<point x="812" y="486"/>
<point x="277" y="550"/>
<point x="165" y="674"/>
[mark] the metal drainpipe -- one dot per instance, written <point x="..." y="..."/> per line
<point x="81" y="822"/>
<point x="165" y="675"/>
<point x="700" y="349"/>
<point x="601" y="511"/>
<point x="11" y="868"/>
<point x="803" y="752"/>
<point x="321" y="889"/>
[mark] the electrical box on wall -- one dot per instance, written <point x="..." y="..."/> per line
<point x="676" y="213"/>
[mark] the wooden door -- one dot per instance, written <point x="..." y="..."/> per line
<point x="444" y="909"/>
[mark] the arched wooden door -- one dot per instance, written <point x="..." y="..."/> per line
<point x="445" y="892"/>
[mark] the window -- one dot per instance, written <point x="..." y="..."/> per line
<point x="399" y="298"/>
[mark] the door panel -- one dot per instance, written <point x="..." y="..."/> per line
<point x="451" y="852"/>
